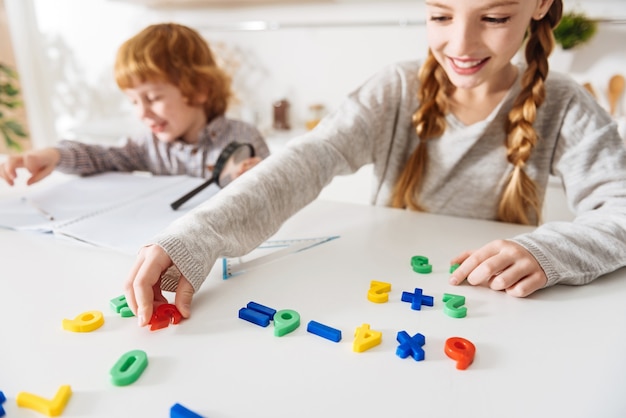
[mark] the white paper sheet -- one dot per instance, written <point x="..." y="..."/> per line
<point x="114" y="210"/>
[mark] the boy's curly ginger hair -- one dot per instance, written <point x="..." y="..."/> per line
<point x="178" y="55"/>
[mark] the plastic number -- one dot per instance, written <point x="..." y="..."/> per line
<point x="419" y="263"/>
<point x="378" y="292"/>
<point x="51" y="407"/>
<point x="85" y="322"/>
<point x="454" y="305"/>
<point x="285" y="321"/>
<point x="461" y="350"/>
<point x="129" y="367"/>
<point x="366" y="338"/>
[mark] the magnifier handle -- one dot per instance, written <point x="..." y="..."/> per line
<point x="178" y="203"/>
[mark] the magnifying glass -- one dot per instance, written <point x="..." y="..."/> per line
<point x="227" y="168"/>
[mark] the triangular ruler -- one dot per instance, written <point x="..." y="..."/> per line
<point x="267" y="252"/>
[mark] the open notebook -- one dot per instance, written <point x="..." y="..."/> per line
<point x="121" y="211"/>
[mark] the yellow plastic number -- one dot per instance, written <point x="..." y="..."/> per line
<point x="378" y="292"/>
<point x="85" y="322"/>
<point x="51" y="407"/>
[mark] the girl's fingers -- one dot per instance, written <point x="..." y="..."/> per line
<point x="143" y="284"/>
<point x="184" y="295"/>
<point x="501" y="265"/>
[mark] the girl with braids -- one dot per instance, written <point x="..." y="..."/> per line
<point x="465" y="132"/>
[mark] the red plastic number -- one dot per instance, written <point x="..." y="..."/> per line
<point x="461" y="350"/>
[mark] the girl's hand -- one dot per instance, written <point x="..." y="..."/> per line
<point x="39" y="163"/>
<point x="143" y="286"/>
<point x="501" y="265"/>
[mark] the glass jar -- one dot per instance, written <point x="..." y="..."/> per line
<point x="315" y="115"/>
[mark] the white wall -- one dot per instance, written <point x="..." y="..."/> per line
<point x="306" y="65"/>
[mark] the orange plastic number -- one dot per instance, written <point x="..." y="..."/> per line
<point x="461" y="350"/>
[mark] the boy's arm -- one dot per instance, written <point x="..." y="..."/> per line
<point x="86" y="159"/>
<point x="39" y="163"/>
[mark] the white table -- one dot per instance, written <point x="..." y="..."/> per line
<point x="558" y="353"/>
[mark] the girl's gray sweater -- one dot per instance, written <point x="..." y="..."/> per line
<point x="579" y="144"/>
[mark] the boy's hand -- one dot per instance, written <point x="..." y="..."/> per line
<point x="501" y="265"/>
<point x="39" y="163"/>
<point x="247" y="164"/>
<point x="143" y="286"/>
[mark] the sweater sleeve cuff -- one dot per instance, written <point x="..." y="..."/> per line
<point x="67" y="160"/>
<point x="184" y="263"/>
<point x="544" y="262"/>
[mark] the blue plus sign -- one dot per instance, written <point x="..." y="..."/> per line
<point x="417" y="299"/>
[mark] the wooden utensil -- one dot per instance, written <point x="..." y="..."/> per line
<point x="590" y="89"/>
<point x="616" y="89"/>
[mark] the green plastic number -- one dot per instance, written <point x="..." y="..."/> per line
<point x="419" y="263"/>
<point x="129" y="367"/>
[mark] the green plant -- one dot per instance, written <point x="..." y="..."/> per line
<point x="574" y="29"/>
<point x="11" y="129"/>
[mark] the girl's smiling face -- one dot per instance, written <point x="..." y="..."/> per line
<point x="169" y="115"/>
<point x="475" y="41"/>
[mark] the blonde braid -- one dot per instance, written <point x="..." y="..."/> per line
<point x="519" y="202"/>
<point x="429" y="122"/>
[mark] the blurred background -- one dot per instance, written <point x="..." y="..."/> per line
<point x="310" y="53"/>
